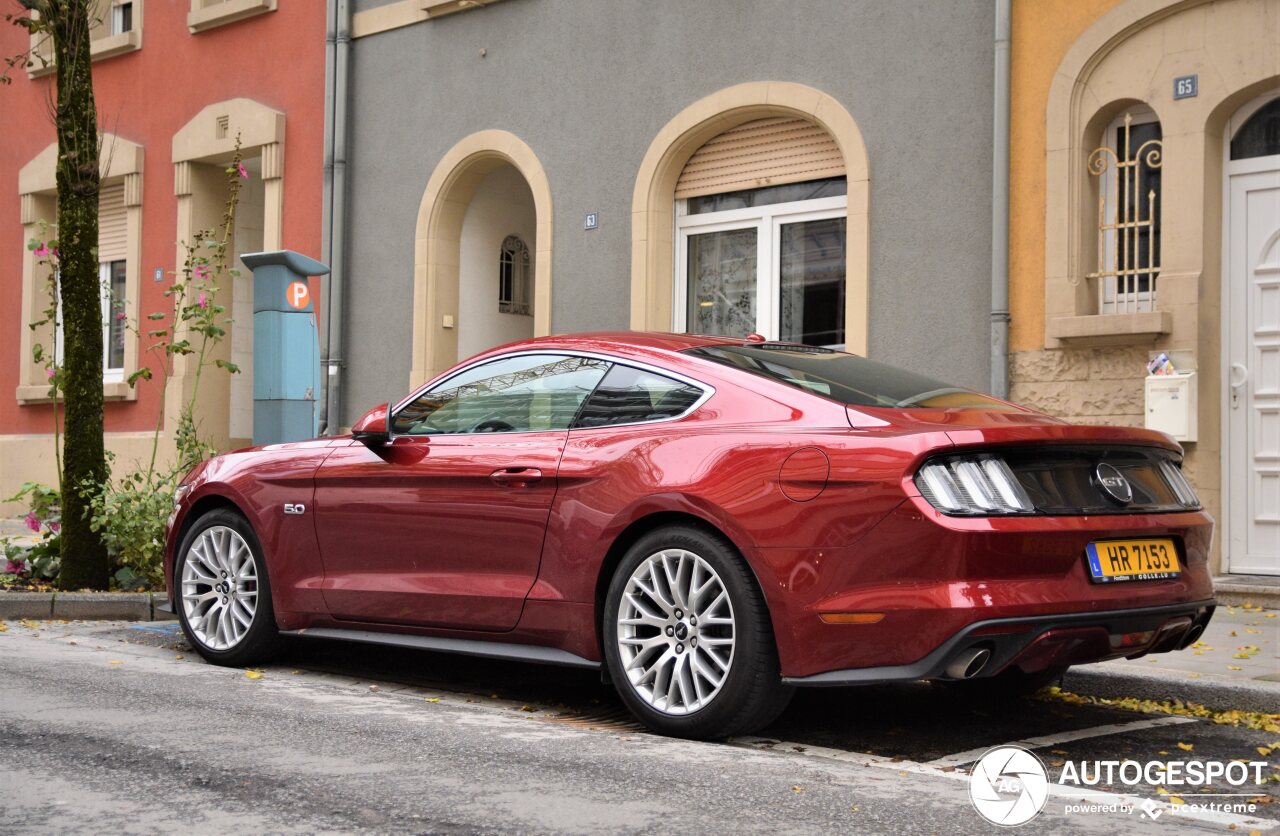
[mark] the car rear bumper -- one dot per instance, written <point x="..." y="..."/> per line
<point x="1039" y="642"/>
<point x="926" y="580"/>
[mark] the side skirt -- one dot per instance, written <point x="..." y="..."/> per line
<point x="467" y="647"/>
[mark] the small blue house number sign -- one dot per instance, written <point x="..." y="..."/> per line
<point x="1186" y="86"/>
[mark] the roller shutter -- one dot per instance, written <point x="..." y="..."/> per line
<point x="112" y="227"/>
<point x="766" y="152"/>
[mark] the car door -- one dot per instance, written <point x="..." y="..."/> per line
<point x="443" y="525"/>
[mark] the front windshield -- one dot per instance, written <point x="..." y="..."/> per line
<point x="845" y="378"/>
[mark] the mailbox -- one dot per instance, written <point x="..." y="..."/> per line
<point x="1171" y="404"/>
<point x="286" y="346"/>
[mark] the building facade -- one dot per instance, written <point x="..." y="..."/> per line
<point x="177" y="83"/>
<point x="1145" y="220"/>
<point x="817" y="172"/>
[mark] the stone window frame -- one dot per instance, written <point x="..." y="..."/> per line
<point x="408" y="12"/>
<point x="101" y="46"/>
<point x="653" y="198"/>
<point x="210" y="14"/>
<point x="120" y="161"/>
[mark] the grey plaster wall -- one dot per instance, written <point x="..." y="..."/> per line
<point x="588" y="83"/>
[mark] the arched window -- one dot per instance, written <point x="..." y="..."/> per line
<point x="1260" y="136"/>
<point x="761" y="228"/>
<point x="513" y="277"/>
<point x="1127" y="170"/>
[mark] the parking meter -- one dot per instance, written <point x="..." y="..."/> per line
<point x="286" y="346"/>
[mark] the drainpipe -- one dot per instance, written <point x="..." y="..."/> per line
<point x="334" y="229"/>
<point x="1000" y="206"/>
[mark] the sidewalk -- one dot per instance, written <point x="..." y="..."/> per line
<point x="1234" y="665"/>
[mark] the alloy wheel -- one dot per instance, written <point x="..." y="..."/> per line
<point x="219" y="587"/>
<point x="676" y="632"/>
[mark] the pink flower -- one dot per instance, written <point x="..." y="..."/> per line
<point x="121" y="317"/>
<point x="240" y="170"/>
<point x="55" y="527"/>
<point x="49" y="373"/>
<point x="202" y="271"/>
<point x="203" y="301"/>
<point x="54" y="252"/>
<point x="33" y="522"/>
<point x="42" y="251"/>
<point x="14" y="567"/>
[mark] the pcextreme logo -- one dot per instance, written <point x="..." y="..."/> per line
<point x="1009" y="786"/>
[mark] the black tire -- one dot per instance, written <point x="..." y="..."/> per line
<point x="1009" y="684"/>
<point x="262" y="640"/>
<point x="752" y="694"/>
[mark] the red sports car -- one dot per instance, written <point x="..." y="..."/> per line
<point x="710" y="522"/>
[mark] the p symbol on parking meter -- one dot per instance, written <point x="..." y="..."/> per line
<point x="297" y="294"/>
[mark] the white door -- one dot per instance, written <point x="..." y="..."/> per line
<point x="1252" y="281"/>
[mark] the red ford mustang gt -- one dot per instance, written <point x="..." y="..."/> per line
<point x="710" y="522"/>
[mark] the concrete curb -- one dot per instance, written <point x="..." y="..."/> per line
<point x="84" y="606"/>
<point x="1234" y="593"/>
<point x="1220" y="693"/>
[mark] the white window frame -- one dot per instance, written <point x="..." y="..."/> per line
<point x="768" y="221"/>
<point x="109" y="374"/>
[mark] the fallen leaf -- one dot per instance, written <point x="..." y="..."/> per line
<point x="1058" y="751"/>
<point x="1234" y="668"/>
<point x="29" y="624"/>
<point x="1161" y="791"/>
<point x="1186" y="747"/>
<point x="853" y="808"/>
<point x="1193" y="676"/>
<point x="1162" y="752"/>
<point x="4" y="628"/>
<point x="179" y="657"/>
<point x="1173" y="799"/>
<point x="437" y="699"/>
<point x="253" y="674"/>
<point x="114" y="662"/>
<point x="1264" y="751"/>
<point x="374" y="688"/>
<point x="797" y="789"/>
<point x="903" y="773"/>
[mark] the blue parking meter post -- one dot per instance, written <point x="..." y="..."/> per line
<point x="286" y="346"/>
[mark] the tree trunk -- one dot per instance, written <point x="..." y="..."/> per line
<point x="84" y="557"/>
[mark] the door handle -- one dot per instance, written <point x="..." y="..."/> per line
<point x="516" y="477"/>
<point x="1236" y="384"/>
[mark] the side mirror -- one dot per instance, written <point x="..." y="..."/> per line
<point x="374" y="427"/>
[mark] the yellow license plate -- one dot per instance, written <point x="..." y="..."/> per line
<point x="1111" y="561"/>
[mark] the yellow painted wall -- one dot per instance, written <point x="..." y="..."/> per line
<point x="1043" y="31"/>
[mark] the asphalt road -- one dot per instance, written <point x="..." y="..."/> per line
<point x="114" y="728"/>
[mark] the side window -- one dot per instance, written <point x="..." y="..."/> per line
<point x="628" y="396"/>
<point x="526" y="393"/>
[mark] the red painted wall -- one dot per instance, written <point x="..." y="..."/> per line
<point x="146" y="96"/>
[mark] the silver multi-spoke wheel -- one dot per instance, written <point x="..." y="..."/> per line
<point x="676" y="631"/>
<point x="219" y="587"/>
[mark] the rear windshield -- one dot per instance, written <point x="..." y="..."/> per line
<point x="845" y="378"/>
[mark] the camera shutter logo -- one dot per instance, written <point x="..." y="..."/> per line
<point x="1008" y="786"/>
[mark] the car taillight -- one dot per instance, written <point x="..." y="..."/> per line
<point x="973" y="485"/>
<point x="1181" y="487"/>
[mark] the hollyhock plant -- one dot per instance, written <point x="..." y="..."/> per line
<point x="42" y="251"/>
<point x="203" y="301"/>
<point x="33" y="522"/>
<point x="244" y="175"/>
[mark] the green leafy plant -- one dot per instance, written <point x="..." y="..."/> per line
<point x="40" y="561"/>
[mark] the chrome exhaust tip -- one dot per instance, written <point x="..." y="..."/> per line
<point x="1193" y="635"/>
<point x="969" y="663"/>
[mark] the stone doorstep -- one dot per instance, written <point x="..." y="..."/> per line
<point x="83" y="606"/>
<point x="1232" y="590"/>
